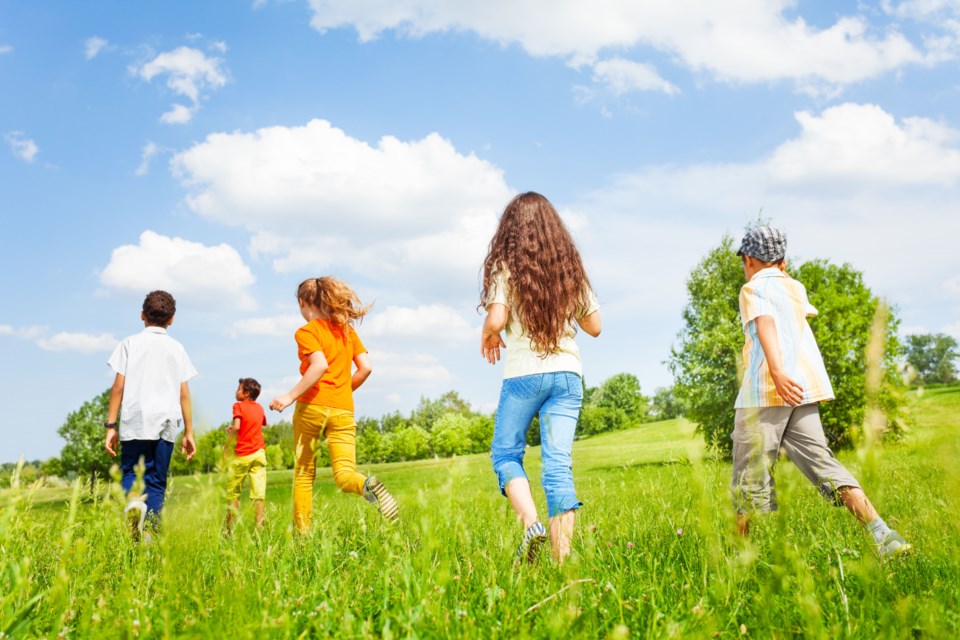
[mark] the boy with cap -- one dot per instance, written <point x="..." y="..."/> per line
<point x="784" y="381"/>
<point x="152" y="370"/>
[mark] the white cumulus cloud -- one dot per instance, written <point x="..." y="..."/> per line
<point x="22" y="146"/>
<point x="79" y="342"/>
<point x="206" y="276"/>
<point x="861" y="144"/>
<point x="622" y="76"/>
<point x="5" y="49"/>
<point x="94" y="46"/>
<point x="312" y="195"/>
<point x="434" y="322"/>
<point x="146" y="155"/>
<point x="738" y="40"/>
<point x="24" y="333"/>
<point x="189" y="72"/>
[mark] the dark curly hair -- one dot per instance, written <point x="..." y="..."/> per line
<point x="547" y="280"/>
<point x="159" y="308"/>
<point x="251" y="388"/>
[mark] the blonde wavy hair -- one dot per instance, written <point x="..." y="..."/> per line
<point x="334" y="299"/>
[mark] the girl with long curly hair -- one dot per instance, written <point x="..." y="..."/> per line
<point x="328" y="348"/>
<point x="535" y="287"/>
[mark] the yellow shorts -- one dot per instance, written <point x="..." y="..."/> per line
<point x="253" y="465"/>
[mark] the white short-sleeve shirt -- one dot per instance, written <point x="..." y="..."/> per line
<point x="521" y="358"/>
<point x="153" y="366"/>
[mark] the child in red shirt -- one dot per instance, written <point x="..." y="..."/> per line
<point x="246" y="436"/>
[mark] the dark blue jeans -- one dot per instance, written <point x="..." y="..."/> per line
<point x="156" y="456"/>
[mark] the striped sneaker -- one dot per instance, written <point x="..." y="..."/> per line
<point x="529" y="548"/>
<point x="135" y="514"/>
<point x="377" y="495"/>
<point x="894" y="546"/>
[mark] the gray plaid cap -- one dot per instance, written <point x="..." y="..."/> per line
<point x="764" y="243"/>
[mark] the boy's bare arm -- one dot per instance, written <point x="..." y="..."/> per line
<point x="113" y="410"/>
<point x="787" y="387"/>
<point x="231" y="440"/>
<point x="187" y="446"/>
<point x="364" y="369"/>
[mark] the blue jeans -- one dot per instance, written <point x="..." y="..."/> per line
<point x="156" y="456"/>
<point x="557" y="398"/>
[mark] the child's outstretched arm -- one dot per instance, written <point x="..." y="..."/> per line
<point x="788" y="388"/>
<point x="364" y="369"/>
<point x="113" y="410"/>
<point x="232" y="433"/>
<point x="490" y="340"/>
<point x="318" y="364"/>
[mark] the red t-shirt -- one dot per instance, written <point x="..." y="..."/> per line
<point x="339" y="345"/>
<point x="252" y="421"/>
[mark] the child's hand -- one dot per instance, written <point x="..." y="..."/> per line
<point x="490" y="345"/>
<point x="112" y="442"/>
<point x="788" y="388"/>
<point x="280" y="403"/>
<point x="188" y="447"/>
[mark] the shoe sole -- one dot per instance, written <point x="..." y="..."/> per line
<point x="533" y="550"/>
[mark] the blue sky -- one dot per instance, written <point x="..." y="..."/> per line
<point x="225" y="151"/>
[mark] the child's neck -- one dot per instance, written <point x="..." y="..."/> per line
<point x="311" y="313"/>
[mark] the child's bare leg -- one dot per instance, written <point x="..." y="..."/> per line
<point x="857" y="502"/>
<point x="258" y="505"/>
<point x="231" y="515"/>
<point x="521" y="499"/>
<point x="743" y="524"/>
<point x="561" y="534"/>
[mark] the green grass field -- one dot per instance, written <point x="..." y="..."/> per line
<point x="654" y="554"/>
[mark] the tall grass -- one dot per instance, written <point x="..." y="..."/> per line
<point x="655" y="555"/>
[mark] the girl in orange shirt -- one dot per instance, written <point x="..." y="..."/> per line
<point x="328" y="347"/>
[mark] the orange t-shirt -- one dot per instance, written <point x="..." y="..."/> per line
<point x="252" y="421"/>
<point x="339" y="346"/>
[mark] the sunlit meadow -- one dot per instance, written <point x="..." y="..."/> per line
<point x="654" y="553"/>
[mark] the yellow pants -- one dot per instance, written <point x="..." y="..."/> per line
<point x="253" y="465"/>
<point x="310" y="423"/>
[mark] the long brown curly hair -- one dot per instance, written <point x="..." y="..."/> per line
<point x="334" y="299"/>
<point x="546" y="275"/>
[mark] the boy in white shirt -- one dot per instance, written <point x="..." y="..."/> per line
<point x="151" y="383"/>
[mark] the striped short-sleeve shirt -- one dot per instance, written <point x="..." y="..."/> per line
<point x="153" y="365"/>
<point x="772" y="293"/>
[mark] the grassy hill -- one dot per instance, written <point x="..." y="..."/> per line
<point x="654" y="553"/>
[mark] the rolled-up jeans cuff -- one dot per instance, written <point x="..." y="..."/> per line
<point x="562" y="503"/>
<point x="507" y="472"/>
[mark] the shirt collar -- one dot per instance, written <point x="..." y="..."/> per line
<point x="769" y="272"/>
<point x="154" y="330"/>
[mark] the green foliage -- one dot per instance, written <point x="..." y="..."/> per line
<point x="665" y="405"/>
<point x="85" y="436"/>
<point x="706" y="356"/>
<point x="428" y="412"/>
<point x="408" y="443"/>
<point x="274" y="454"/>
<point x="847" y="309"/>
<point x="932" y="357"/>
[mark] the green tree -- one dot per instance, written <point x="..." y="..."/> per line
<point x="932" y="356"/>
<point x="371" y="446"/>
<point x="83" y="432"/>
<point x="408" y="443"/>
<point x="451" y="435"/>
<point x="847" y="309"/>
<point x="706" y="355"/>
<point x="621" y="393"/>
<point x="428" y="412"/>
<point x="665" y="405"/>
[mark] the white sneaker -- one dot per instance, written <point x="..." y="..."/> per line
<point x="376" y="494"/>
<point x="135" y="514"/>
